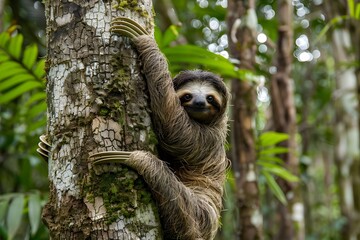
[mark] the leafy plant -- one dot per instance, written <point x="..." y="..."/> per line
<point x="20" y="74"/>
<point x="187" y="56"/>
<point x="22" y="118"/>
<point x="15" y="208"/>
<point x="272" y="166"/>
<point x="353" y="14"/>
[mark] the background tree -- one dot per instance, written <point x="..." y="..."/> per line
<point x="347" y="144"/>
<point x="242" y="23"/>
<point x="284" y="120"/>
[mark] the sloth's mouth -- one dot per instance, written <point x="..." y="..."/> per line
<point x="199" y="114"/>
<point x="197" y="109"/>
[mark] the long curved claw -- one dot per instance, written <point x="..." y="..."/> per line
<point x="109" y="157"/>
<point x="43" y="148"/>
<point x="127" y="27"/>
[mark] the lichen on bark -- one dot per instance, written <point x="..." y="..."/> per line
<point x="97" y="101"/>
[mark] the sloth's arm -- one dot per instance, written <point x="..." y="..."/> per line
<point x="165" y="104"/>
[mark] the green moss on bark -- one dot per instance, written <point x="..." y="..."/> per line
<point x="122" y="191"/>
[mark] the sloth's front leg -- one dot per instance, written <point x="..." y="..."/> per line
<point x="138" y="160"/>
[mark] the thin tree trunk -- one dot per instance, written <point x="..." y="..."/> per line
<point x="355" y="29"/>
<point x="2" y="4"/>
<point x="346" y="133"/>
<point x="242" y="24"/>
<point x="284" y="118"/>
<point x="347" y="99"/>
<point x="96" y="102"/>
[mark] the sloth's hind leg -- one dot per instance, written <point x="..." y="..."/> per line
<point x="109" y="157"/>
<point x="108" y="161"/>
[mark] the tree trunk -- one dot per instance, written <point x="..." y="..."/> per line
<point x="346" y="134"/>
<point x="96" y="102"/>
<point x="242" y="24"/>
<point x="2" y="4"/>
<point x="284" y="118"/>
<point x="347" y="96"/>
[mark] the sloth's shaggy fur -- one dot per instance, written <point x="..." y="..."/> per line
<point x="187" y="182"/>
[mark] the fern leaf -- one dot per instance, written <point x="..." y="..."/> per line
<point x="15" y="46"/>
<point x="30" y="55"/>
<point x="14" y="80"/>
<point x="19" y="90"/>
<point x="4" y="39"/>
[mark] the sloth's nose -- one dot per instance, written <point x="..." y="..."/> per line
<point x="199" y="103"/>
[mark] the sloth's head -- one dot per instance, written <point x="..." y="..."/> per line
<point x="202" y="94"/>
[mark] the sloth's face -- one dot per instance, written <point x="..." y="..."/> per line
<point x="200" y="100"/>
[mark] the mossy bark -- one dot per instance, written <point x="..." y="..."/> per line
<point x="97" y="101"/>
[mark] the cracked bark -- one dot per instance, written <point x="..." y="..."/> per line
<point x="96" y="102"/>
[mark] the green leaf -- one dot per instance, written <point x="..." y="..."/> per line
<point x="19" y="90"/>
<point x="30" y="55"/>
<point x="279" y="171"/>
<point x="3" y="57"/>
<point x="357" y="12"/>
<point x="14" y="215"/>
<point x="185" y="54"/>
<point x="158" y="36"/>
<point x="275" y="188"/>
<point x="270" y="158"/>
<point x="34" y="212"/>
<point x="351" y="6"/>
<point x="39" y="70"/>
<point x="39" y="96"/>
<point x="170" y="35"/>
<point x="3" y="207"/>
<point x="10" y="68"/>
<point x="273" y="150"/>
<point x="36" y="124"/>
<point x="36" y="110"/>
<point x="15" y="46"/>
<point x="272" y="138"/>
<point x="333" y="22"/>
<point x="15" y="80"/>
<point x="4" y="39"/>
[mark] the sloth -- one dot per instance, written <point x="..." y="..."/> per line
<point x="189" y="119"/>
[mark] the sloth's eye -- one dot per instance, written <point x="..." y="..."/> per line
<point x="210" y="99"/>
<point x="187" y="97"/>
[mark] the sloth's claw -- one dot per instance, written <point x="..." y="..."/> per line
<point x="43" y="148"/>
<point x="106" y="162"/>
<point x="109" y="157"/>
<point x="127" y="27"/>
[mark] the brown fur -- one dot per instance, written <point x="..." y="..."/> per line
<point x="189" y="191"/>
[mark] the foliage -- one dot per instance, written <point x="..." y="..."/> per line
<point x="272" y="166"/>
<point x="21" y="74"/>
<point x="20" y="215"/>
<point x="188" y="56"/>
<point x="353" y="14"/>
<point x="22" y="118"/>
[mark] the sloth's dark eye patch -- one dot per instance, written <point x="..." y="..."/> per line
<point x="210" y="99"/>
<point x="186" y="98"/>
